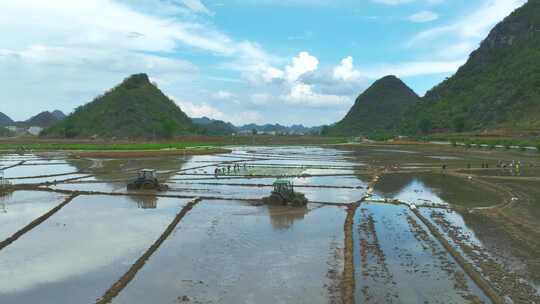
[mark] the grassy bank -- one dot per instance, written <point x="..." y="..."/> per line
<point x="105" y="146"/>
<point x="181" y="143"/>
<point x="489" y="141"/>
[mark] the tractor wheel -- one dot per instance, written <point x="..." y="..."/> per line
<point x="273" y="199"/>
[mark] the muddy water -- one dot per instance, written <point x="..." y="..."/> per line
<point x="429" y="188"/>
<point x="80" y="251"/>
<point x="236" y="253"/>
<point x="233" y="252"/>
<point x="399" y="262"/>
<point x="20" y="208"/>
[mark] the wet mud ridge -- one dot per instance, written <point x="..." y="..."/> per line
<point x="348" y="285"/>
<point x="36" y="222"/>
<point x="509" y="284"/>
<point x="15" y="165"/>
<point x="349" y="282"/>
<point x="117" y="287"/>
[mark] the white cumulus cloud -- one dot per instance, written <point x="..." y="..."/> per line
<point x="345" y="71"/>
<point x="223" y="95"/>
<point x="302" y="64"/>
<point x="302" y="93"/>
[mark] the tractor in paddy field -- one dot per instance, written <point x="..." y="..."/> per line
<point x="147" y="180"/>
<point x="283" y="194"/>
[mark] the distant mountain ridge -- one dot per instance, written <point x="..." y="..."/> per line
<point x="280" y="129"/>
<point x="44" y="119"/>
<point x="228" y="128"/>
<point x="5" y="120"/>
<point x="214" y="127"/>
<point x="58" y="114"/>
<point x="378" y="109"/>
<point x="136" y="108"/>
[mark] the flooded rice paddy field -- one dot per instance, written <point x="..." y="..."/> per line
<point x="385" y="224"/>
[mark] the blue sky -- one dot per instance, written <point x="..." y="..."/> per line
<point x="299" y="61"/>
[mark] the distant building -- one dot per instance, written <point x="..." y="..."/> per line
<point x="35" y="130"/>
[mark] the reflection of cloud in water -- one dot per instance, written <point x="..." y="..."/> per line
<point x="19" y="208"/>
<point x="407" y="188"/>
<point x="283" y="217"/>
<point x="93" y="233"/>
<point x="418" y="192"/>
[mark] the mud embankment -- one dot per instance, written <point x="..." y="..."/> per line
<point x="349" y="282"/>
<point x="13" y="166"/>
<point x="117" y="287"/>
<point x="36" y="222"/>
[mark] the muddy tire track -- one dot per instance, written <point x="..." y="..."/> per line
<point x="117" y="287"/>
<point x="37" y="221"/>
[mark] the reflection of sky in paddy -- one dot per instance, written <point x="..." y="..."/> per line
<point x="233" y="253"/>
<point x="415" y="192"/>
<point x="300" y="161"/>
<point x="18" y="158"/>
<point x="22" y="207"/>
<point x="79" y="252"/>
<point x="39" y="180"/>
<point x="98" y="187"/>
<point x="8" y="163"/>
<point x="40" y="170"/>
<point x="337" y="181"/>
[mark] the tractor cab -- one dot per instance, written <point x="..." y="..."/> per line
<point x="283" y="187"/>
<point x="283" y="194"/>
<point x="147" y="174"/>
<point x="146" y="180"/>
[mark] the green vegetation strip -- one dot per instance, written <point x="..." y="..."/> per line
<point x="467" y="267"/>
<point x="486" y="141"/>
<point x="109" y="147"/>
<point x="117" y="287"/>
<point x="36" y="222"/>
